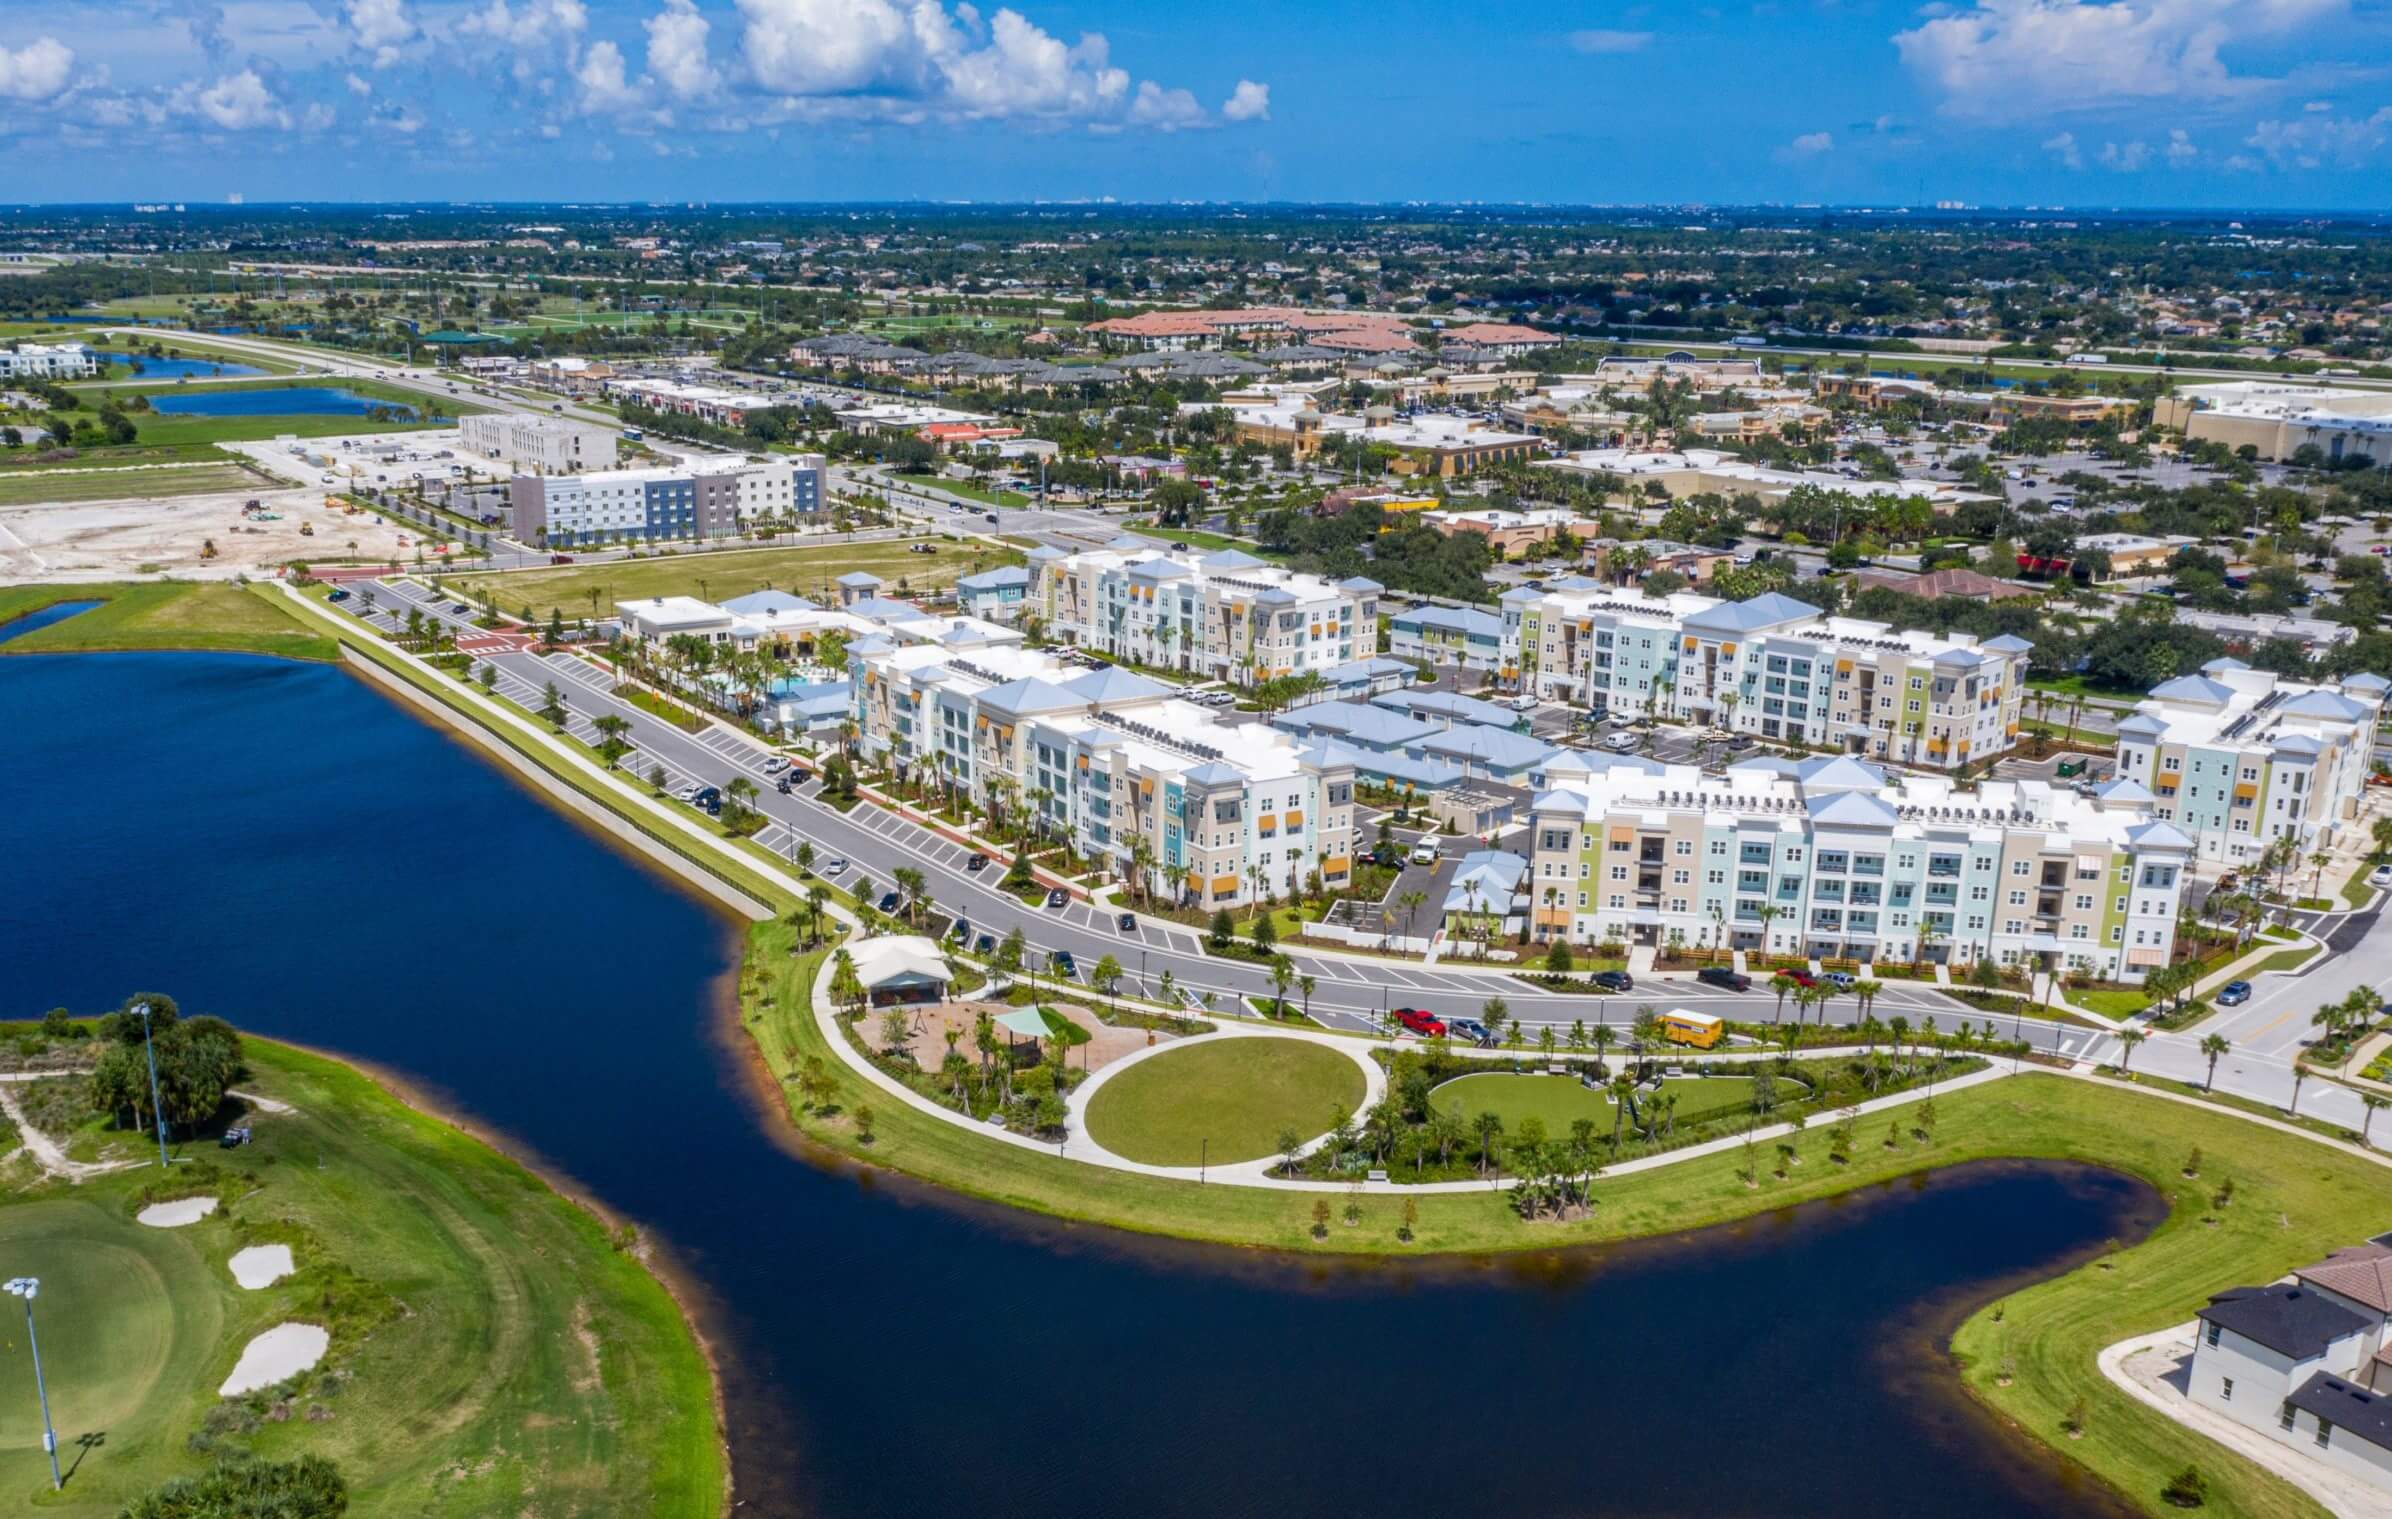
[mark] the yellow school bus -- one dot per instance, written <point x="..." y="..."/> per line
<point x="1700" y="1030"/>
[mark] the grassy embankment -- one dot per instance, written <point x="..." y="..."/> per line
<point x="495" y="1349"/>
<point x="100" y="482"/>
<point x="2294" y="1200"/>
<point x="720" y="574"/>
<point x="204" y="615"/>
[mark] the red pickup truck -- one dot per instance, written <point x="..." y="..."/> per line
<point x="1426" y="1025"/>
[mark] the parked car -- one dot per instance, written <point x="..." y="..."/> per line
<point x="1621" y="742"/>
<point x="338" y="595"/>
<point x="688" y="793"/>
<point x="1720" y="975"/>
<point x="2380" y="876"/>
<point x="976" y="864"/>
<point x="1057" y="896"/>
<point x="775" y="765"/>
<point x="888" y="901"/>
<point x="1801" y="978"/>
<point x="2234" y="994"/>
<point x="1841" y="980"/>
<point x="836" y="867"/>
<point x="1061" y="963"/>
<point x="706" y="795"/>
<point x="1425" y="852"/>
<point x="1426" y="1025"/>
<point x="1470" y="1029"/>
<point x="1127" y="922"/>
<point x="233" y="1139"/>
<point x="1614" y="981"/>
<point x="461" y="609"/>
<point x="986" y="944"/>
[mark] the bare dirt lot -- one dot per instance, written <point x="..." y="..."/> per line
<point x="128" y="538"/>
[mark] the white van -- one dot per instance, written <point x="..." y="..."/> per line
<point x="1425" y="852"/>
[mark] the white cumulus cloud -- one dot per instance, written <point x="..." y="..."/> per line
<point x="677" y="49"/>
<point x="1248" y="102"/>
<point x="2313" y="142"/>
<point x="239" y="103"/>
<point x="2001" y="59"/>
<point x="600" y="78"/>
<point x="36" y="71"/>
<point x="382" y="27"/>
<point x="2126" y="158"/>
<point x="1811" y="144"/>
<point x="2062" y="146"/>
<point x="2181" y="149"/>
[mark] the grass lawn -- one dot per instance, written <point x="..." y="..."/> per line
<point x="724" y="573"/>
<point x="1559" y="1099"/>
<point x="12" y="460"/>
<point x="25" y="487"/>
<point x="493" y="1350"/>
<point x="1228" y="1100"/>
<point x="971" y="489"/>
<point x="174" y="614"/>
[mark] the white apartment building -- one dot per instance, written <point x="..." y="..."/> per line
<point x="47" y="361"/>
<point x="1226" y="615"/>
<point x="2238" y="757"/>
<point x="1831" y="858"/>
<point x="1770" y="666"/>
<point x="539" y="445"/>
<point x="1118" y="763"/>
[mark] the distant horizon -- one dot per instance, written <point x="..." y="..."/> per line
<point x="189" y="205"/>
<point x="2123" y="104"/>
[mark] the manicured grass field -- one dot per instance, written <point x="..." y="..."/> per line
<point x="163" y="615"/>
<point x="493" y="1350"/>
<point x="27" y="487"/>
<point x="723" y="574"/>
<point x="1228" y="1100"/>
<point x="1559" y="1100"/>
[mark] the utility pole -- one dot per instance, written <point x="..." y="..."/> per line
<point x="25" y="1287"/>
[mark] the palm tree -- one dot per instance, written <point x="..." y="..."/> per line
<point x="2372" y="1101"/>
<point x="1601" y="1036"/>
<point x="1781" y="983"/>
<point x="1865" y="993"/>
<point x="1105" y="976"/>
<point x="917" y="892"/>
<point x="1282" y="972"/>
<point x="2215" y="1047"/>
<point x="610" y="737"/>
<point x="2127" y="1040"/>
<point x="2300" y="1074"/>
<point x="1304" y="986"/>
<point x="1410" y="902"/>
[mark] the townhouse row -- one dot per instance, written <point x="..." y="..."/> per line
<point x="1830" y="858"/>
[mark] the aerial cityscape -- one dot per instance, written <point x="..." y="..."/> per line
<point x="871" y="758"/>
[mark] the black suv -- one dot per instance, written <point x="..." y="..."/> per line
<point x="1614" y="981"/>
<point x="1720" y="975"/>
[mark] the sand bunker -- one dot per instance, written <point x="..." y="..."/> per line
<point x="173" y="1215"/>
<point x="262" y="1265"/>
<point x="283" y="1351"/>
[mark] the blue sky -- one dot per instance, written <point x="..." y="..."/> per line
<point x="2232" y="103"/>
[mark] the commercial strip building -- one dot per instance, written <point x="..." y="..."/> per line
<point x="699" y="500"/>
<point x="538" y="445"/>
<point x="2237" y="757"/>
<point x="1507" y="532"/>
<point x="712" y="404"/>
<point x="1696" y="471"/>
<point x="1437" y="444"/>
<point x="1832" y="858"/>
<point x="1225" y="615"/>
<point x="47" y="361"/>
<point x="1772" y="666"/>
<point x="2307" y="1362"/>
<point x="1133" y="775"/>
<point x="2276" y="420"/>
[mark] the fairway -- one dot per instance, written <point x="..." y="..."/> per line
<point x="1561" y="1100"/>
<point x="720" y="575"/>
<point x="1223" y="1101"/>
<point x="492" y="1350"/>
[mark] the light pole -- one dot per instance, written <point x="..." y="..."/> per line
<point x="157" y="1111"/>
<point x="25" y="1287"/>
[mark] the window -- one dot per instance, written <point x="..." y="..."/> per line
<point x="2284" y="1415"/>
<point x="2225" y="1389"/>
<point x="2211" y="1337"/>
<point x="2325" y="1434"/>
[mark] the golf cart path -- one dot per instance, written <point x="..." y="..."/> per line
<point x="45" y="1150"/>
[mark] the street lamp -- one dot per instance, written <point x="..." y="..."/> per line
<point x="25" y="1287"/>
<point x="157" y="1111"/>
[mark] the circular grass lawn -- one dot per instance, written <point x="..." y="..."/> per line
<point x="1561" y="1100"/>
<point x="1225" y="1100"/>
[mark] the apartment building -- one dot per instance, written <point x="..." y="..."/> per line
<point x="1447" y="636"/>
<point x="47" y="361"/>
<point x="538" y="445"/>
<point x="1832" y="857"/>
<point x="2238" y="757"/>
<point x="1119" y="763"/>
<point x="1771" y="666"/>
<point x="1225" y="615"/>
<point x="709" y="499"/>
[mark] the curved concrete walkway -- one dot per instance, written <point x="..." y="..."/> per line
<point x="1077" y="1146"/>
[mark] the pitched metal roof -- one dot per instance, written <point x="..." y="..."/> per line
<point x="1764" y="611"/>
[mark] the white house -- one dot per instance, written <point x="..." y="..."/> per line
<point x="2295" y="1362"/>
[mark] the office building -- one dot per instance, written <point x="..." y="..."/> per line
<point x="707" y="499"/>
<point x="1833" y="857"/>
<point x="47" y="361"/>
<point x="538" y="445"/>
<point x="2238" y="757"/>
<point x="2276" y="420"/>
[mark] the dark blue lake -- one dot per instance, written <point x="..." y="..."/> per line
<point x="125" y="366"/>
<point x="279" y="844"/>
<point x="273" y="401"/>
<point x="56" y="611"/>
